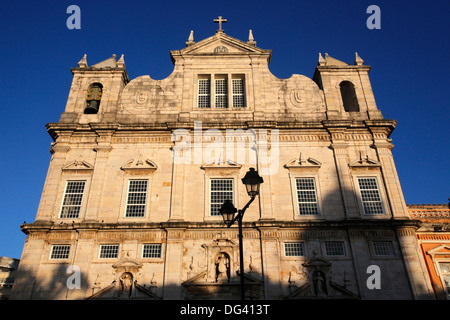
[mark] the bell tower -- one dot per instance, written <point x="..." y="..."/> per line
<point x="347" y="89"/>
<point x="95" y="91"/>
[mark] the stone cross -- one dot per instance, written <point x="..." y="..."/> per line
<point x="220" y="20"/>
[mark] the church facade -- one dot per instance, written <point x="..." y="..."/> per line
<point x="140" y="168"/>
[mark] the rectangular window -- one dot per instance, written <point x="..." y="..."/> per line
<point x="334" y="248"/>
<point x="204" y="93"/>
<point x="238" y="91"/>
<point x="60" y="251"/>
<point x="445" y="275"/>
<point x="370" y="196"/>
<point x="221" y="93"/>
<point x="383" y="248"/>
<point x="220" y="190"/>
<point x="73" y="197"/>
<point x="137" y="198"/>
<point x="306" y="196"/>
<point x="108" y="251"/>
<point x="151" y="250"/>
<point x="293" y="249"/>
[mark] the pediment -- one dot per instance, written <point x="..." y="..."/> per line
<point x="220" y="44"/>
<point x="301" y="162"/>
<point x="228" y="164"/>
<point x="139" y="164"/>
<point x="442" y="249"/>
<point x="365" y="161"/>
<point x="337" y="292"/>
<point x="78" y="165"/>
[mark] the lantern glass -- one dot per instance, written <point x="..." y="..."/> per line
<point x="228" y="211"/>
<point x="252" y="181"/>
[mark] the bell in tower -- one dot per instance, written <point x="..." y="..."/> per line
<point x="93" y="99"/>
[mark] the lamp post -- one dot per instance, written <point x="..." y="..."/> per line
<point x="251" y="180"/>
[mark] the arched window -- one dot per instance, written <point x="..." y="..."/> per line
<point x="93" y="98"/>
<point x="348" y="95"/>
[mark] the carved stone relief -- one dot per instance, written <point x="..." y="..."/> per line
<point x="300" y="93"/>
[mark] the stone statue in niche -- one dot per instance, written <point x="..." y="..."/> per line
<point x="125" y="284"/>
<point x="222" y="263"/>
<point x="320" y="285"/>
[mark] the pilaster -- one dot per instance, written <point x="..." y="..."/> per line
<point x="339" y="147"/>
<point x="383" y="146"/>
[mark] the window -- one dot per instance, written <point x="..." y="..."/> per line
<point x="445" y="275"/>
<point x="218" y="85"/>
<point x="293" y="249"/>
<point x="348" y="95"/>
<point x="93" y="98"/>
<point x="137" y="198"/>
<point x="220" y="190"/>
<point x="73" y="197"/>
<point x="204" y="93"/>
<point x="238" y="90"/>
<point x="151" y="250"/>
<point x="383" y="248"/>
<point x="334" y="248"/>
<point x="306" y="196"/>
<point x="108" y="251"/>
<point x="60" y="251"/>
<point x="370" y="196"/>
<point x="221" y="93"/>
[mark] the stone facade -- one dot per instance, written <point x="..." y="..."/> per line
<point x="319" y="144"/>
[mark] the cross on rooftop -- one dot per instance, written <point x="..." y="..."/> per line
<point x="220" y="20"/>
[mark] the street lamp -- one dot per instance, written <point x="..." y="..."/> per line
<point x="251" y="180"/>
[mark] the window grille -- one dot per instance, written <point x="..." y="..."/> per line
<point x="370" y="196"/>
<point x="383" y="248"/>
<point x="60" y="251"/>
<point x="334" y="248"/>
<point x="238" y="93"/>
<point x="306" y="196"/>
<point x="151" y="250"/>
<point x="137" y="198"/>
<point x="221" y="93"/>
<point x="73" y="197"/>
<point x="293" y="249"/>
<point x="220" y="190"/>
<point x="108" y="251"/>
<point x="445" y="274"/>
<point x="204" y="93"/>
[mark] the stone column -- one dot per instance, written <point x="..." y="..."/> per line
<point x="26" y="276"/>
<point x="339" y="147"/>
<point x="414" y="264"/>
<point x="173" y="265"/>
<point x="47" y="205"/>
<point x="99" y="175"/>
<point x="270" y="254"/>
<point x="389" y="172"/>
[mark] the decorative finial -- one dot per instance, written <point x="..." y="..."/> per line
<point x="121" y="62"/>
<point x="321" y="60"/>
<point x="251" y="39"/>
<point x="83" y="62"/>
<point x="220" y="21"/>
<point x="191" y="39"/>
<point x="358" y="60"/>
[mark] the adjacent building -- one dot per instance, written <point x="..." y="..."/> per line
<point x="434" y="240"/>
<point x="140" y="168"/>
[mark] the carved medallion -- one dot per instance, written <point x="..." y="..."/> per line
<point x="220" y="49"/>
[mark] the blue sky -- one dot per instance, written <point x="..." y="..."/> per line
<point x="409" y="56"/>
